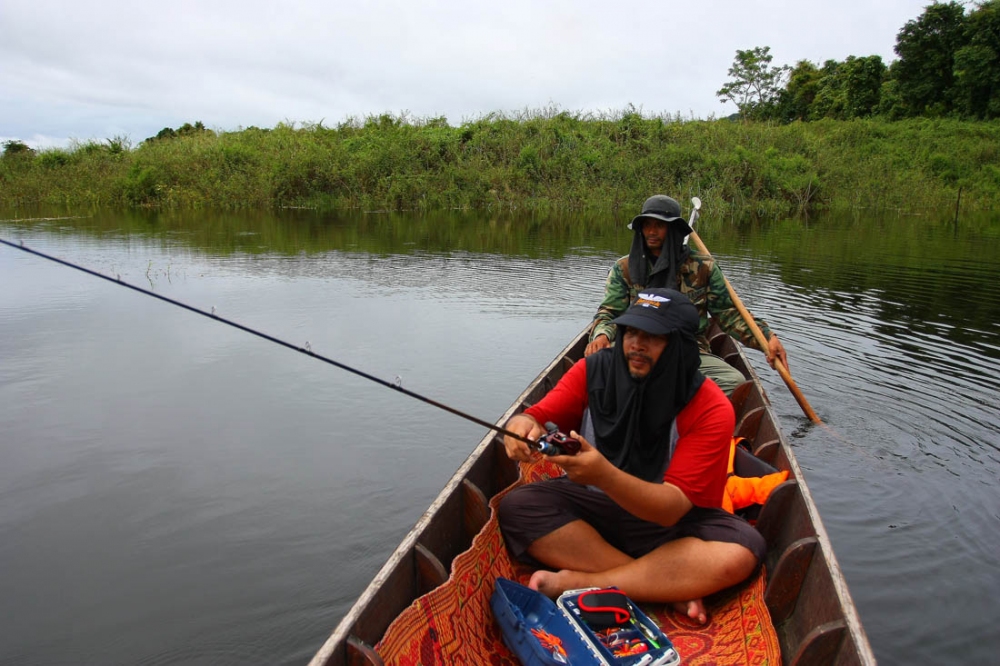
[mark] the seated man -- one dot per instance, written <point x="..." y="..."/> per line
<point x="659" y="258"/>
<point x="639" y="505"/>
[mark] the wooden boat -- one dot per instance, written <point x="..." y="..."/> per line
<point x="810" y="607"/>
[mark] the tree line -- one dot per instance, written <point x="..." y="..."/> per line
<point x="948" y="65"/>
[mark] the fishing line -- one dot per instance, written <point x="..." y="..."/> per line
<point x="306" y="349"/>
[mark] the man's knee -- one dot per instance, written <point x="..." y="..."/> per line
<point x="511" y="507"/>
<point x="720" y="372"/>
<point x="526" y="514"/>
<point x="525" y="505"/>
<point x="741" y="564"/>
<point x="733" y="563"/>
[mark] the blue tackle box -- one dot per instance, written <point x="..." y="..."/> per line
<point x="575" y="630"/>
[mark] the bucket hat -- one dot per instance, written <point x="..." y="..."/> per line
<point x="661" y="207"/>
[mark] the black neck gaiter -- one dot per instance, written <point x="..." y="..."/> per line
<point x="664" y="270"/>
<point x="632" y="418"/>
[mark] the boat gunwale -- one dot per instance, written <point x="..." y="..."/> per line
<point x="844" y="600"/>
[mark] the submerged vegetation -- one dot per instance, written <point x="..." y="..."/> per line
<point x="541" y="160"/>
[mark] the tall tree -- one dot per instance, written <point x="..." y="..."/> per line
<point x="798" y="95"/>
<point x="863" y="78"/>
<point x="926" y="48"/>
<point x="831" y="93"/>
<point x="890" y="104"/>
<point x="977" y="64"/>
<point x="756" y="85"/>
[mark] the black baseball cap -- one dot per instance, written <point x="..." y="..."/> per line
<point x="660" y="311"/>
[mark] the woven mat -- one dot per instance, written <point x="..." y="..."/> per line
<point x="453" y="624"/>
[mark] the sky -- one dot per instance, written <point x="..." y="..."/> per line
<point x="73" y="71"/>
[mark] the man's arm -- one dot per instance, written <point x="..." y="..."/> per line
<point x="564" y="405"/>
<point x="722" y="308"/>
<point x="696" y="475"/>
<point x="700" y="462"/>
<point x="617" y="296"/>
<point x="662" y="503"/>
<point x="526" y="426"/>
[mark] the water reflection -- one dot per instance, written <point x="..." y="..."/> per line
<point x="299" y="232"/>
<point x="238" y="499"/>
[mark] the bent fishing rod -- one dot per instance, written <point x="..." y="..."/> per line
<point x="552" y="438"/>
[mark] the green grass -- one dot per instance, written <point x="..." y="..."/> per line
<point x="540" y="161"/>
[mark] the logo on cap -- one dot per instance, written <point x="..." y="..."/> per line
<point x="651" y="300"/>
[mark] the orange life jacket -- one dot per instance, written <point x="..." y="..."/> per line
<point x="741" y="491"/>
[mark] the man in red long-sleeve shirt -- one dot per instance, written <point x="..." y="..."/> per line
<point x="640" y="505"/>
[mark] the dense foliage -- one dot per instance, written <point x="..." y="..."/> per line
<point x="948" y="66"/>
<point x="543" y="160"/>
<point x="851" y="135"/>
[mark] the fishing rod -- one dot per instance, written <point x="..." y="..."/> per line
<point x="551" y="443"/>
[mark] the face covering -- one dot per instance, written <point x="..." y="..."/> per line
<point x="632" y="418"/>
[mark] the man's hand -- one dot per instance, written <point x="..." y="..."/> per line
<point x="526" y="426"/>
<point x="662" y="503"/>
<point x="776" y="350"/>
<point x="587" y="467"/>
<point x="597" y="344"/>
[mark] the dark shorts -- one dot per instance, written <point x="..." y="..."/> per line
<point x="536" y="509"/>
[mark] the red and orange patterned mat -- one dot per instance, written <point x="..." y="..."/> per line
<point x="453" y="624"/>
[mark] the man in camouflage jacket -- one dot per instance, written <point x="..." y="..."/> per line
<point x="659" y="258"/>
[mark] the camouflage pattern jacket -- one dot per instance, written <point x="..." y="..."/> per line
<point x="700" y="280"/>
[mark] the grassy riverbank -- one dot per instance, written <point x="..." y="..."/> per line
<point x="541" y="161"/>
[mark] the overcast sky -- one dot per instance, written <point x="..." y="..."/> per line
<point x="92" y="70"/>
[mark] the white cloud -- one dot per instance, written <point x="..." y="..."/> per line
<point x="93" y="70"/>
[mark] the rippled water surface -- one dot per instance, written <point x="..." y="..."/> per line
<point x="175" y="491"/>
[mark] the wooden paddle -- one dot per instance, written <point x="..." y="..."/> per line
<point x="748" y="318"/>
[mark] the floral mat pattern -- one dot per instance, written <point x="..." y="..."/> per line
<point x="453" y="624"/>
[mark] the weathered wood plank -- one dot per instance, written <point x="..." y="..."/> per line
<point x="822" y="646"/>
<point x="360" y="653"/>
<point x="784" y="585"/>
<point x="477" y="508"/>
<point x="431" y="572"/>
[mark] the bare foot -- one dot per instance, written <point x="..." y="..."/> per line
<point x="553" y="583"/>
<point x="694" y="610"/>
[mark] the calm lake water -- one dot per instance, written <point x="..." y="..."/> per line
<point x="176" y="491"/>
